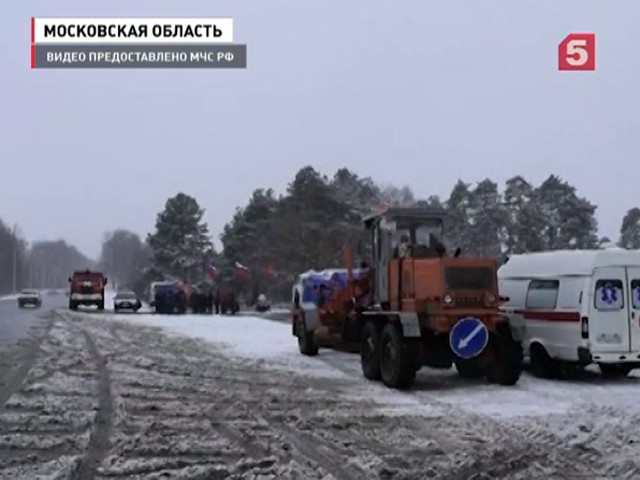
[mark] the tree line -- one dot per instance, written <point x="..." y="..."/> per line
<point x="277" y="236"/>
<point x="44" y="264"/>
<point x="307" y="225"/>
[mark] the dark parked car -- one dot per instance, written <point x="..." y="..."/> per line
<point x="126" y="300"/>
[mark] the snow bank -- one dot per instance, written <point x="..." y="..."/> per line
<point x="267" y="342"/>
<point x="8" y="298"/>
<point x="279" y="311"/>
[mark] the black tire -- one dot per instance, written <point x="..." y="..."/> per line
<point x="614" y="370"/>
<point x="505" y="366"/>
<point x="397" y="359"/>
<point x="306" y="343"/>
<point x="73" y="306"/>
<point x="370" y="351"/>
<point x="470" y="369"/>
<point x="542" y="365"/>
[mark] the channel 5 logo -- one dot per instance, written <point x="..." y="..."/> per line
<point x="577" y="52"/>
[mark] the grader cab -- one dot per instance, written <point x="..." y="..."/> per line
<point x="413" y="304"/>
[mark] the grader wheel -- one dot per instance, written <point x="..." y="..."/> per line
<point x="370" y="351"/>
<point x="398" y="363"/>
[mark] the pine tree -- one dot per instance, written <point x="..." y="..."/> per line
<point x="630" y="229"/>
<point x="321" y="221"/>
<point x="569" y="219"/>
<point x="459" y="228"/>
<point x="524" y="219"/>
<point x="360" y="194"/>
<point x="181" y="240"/>
<point x="489" y="218"/>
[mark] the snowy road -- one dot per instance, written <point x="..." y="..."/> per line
<point x="20" y="331"/>
<point x="149" y="396"/>
<point x="16" y="323"/>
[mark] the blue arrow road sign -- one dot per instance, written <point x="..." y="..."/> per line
<point x="468" y="337"/>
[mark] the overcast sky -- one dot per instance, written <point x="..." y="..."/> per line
<point x="418" y="94"/>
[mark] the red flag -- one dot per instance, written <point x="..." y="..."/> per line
<point x="270" y="271"/>
<point x="211" y="270"/>
<point x="241" y="270"/>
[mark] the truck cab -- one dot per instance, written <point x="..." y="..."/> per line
<point x="428" y="277"/>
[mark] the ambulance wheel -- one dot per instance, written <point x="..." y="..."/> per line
<point x="397" y="358"/>
<point x="505" y="366"/>
<point x="306" y="343"/>
<point x="542" y="365"/>
<point x="370" y="351"/>
<point x="610" y="370"/>
<point x="469" y="368"/>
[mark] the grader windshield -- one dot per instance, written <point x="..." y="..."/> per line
<point x="421" y="234"/>
<point x="420" y="229"/>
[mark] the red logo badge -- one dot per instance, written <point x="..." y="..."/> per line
<point x="577" y="52"/>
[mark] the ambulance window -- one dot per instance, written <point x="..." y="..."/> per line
<point x="635" y="293"/>
<point x="542" y="294"/>
<point x="609" y="294"/>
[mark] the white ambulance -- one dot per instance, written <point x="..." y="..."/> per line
<point x="575" y="307"/>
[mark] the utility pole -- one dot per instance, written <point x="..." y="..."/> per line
<point x="15" y="257"/>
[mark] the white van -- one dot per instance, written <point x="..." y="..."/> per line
<point x="575" y="306"/>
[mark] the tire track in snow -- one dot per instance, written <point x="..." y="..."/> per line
<point x="164" y="411"/>
<point x="99" y="442"/>
<point x="529" y="446"/>
<point x="46" y="422"/>
<point x="306" y="444"/>
<point x="181" y="383"/>
<point x="538" y="438"/>
<point x="321" y="453"/>
<point x="27" y="359"/>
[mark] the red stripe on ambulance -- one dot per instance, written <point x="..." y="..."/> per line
<point x="549" y="315"/>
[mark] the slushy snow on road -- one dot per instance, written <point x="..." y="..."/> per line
<point x="185" y="396"/>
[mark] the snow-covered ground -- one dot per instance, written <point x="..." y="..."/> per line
<point x="212" y="396"/>
<point x="272" y="345"/>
